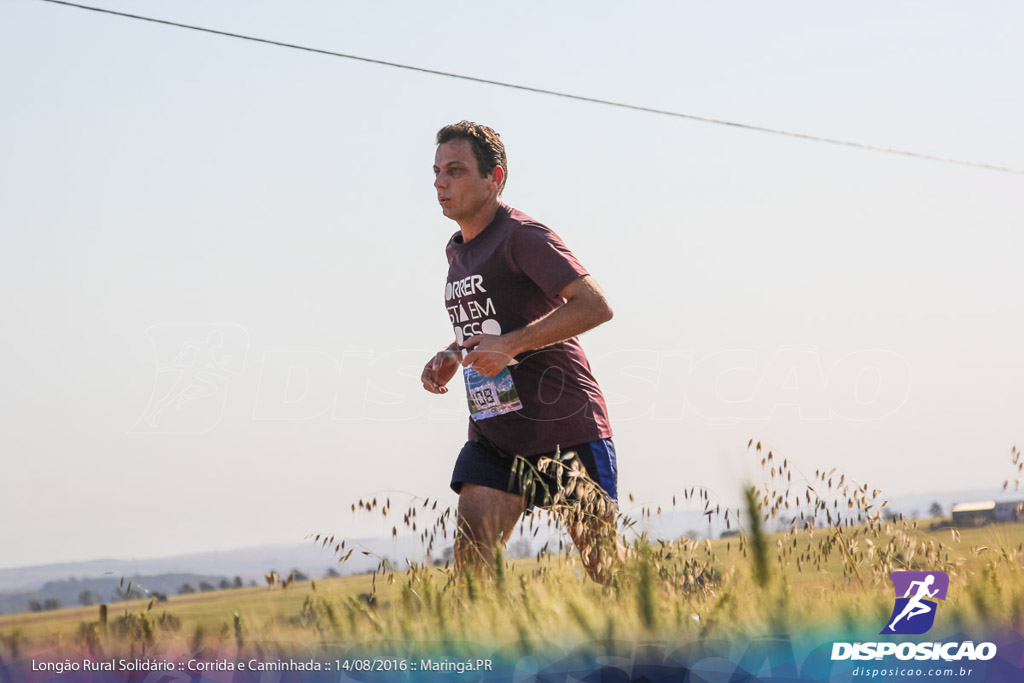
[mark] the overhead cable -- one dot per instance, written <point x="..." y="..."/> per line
<point x="555" y="93"/>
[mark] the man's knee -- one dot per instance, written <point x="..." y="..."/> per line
<point x="487" y="515"/>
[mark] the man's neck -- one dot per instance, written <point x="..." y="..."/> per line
<point x="471" y="227"/>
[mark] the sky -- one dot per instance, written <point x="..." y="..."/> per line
<point x="222" y="263"/>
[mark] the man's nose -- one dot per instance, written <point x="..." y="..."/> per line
<point x="439" y="181"/>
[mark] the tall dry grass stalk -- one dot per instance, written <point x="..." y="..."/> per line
<point x="811" y="550"/>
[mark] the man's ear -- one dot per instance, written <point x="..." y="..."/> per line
<point x="497" y="177"/>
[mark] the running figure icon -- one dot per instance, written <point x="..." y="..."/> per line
<point x="916" y="604"/>
<point x="918" y="594"/>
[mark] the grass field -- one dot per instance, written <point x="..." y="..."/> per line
<point x="827" y="574"/>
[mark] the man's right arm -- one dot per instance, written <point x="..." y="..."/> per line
<point x="440" y="369"/>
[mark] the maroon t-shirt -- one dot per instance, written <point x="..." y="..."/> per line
<point x="505" y="277"/>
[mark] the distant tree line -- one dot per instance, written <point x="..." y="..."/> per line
<point x="129" y="591"/>
<point x="205" y="586"/>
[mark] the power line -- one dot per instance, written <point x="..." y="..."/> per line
<point x="555" y="93"/>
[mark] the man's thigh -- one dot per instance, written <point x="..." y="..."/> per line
<point x="488" y="515"/>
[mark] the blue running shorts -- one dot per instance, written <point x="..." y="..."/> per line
<point x="482" y="464"/>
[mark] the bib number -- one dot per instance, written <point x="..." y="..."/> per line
<point x="490" y="396"/>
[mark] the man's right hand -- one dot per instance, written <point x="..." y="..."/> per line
<point x="440" y="369"/>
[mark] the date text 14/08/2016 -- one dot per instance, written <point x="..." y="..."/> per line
<point x="458" y="666"/>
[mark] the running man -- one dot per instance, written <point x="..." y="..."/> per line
<point x="916" y="604"/>
<point x="517" y="299"/>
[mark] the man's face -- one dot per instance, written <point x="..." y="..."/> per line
<point x="461" y="191"/>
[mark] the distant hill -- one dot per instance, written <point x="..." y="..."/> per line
<point x="70" y="592"/>
<point x="66" y="582"/>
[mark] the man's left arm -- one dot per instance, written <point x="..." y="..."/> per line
<point x="585" y="308"/>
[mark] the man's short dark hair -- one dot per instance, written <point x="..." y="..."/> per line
<point x="486" y="143"/>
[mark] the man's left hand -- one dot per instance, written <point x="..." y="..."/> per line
<point x="490" y="355"/>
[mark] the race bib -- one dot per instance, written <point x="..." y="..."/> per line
<point x="490" y="396"/>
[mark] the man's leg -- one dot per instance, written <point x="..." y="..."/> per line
<point x="486" y="518"/>
<point x="597" y="540"/>
<point x="591" y="514"/>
